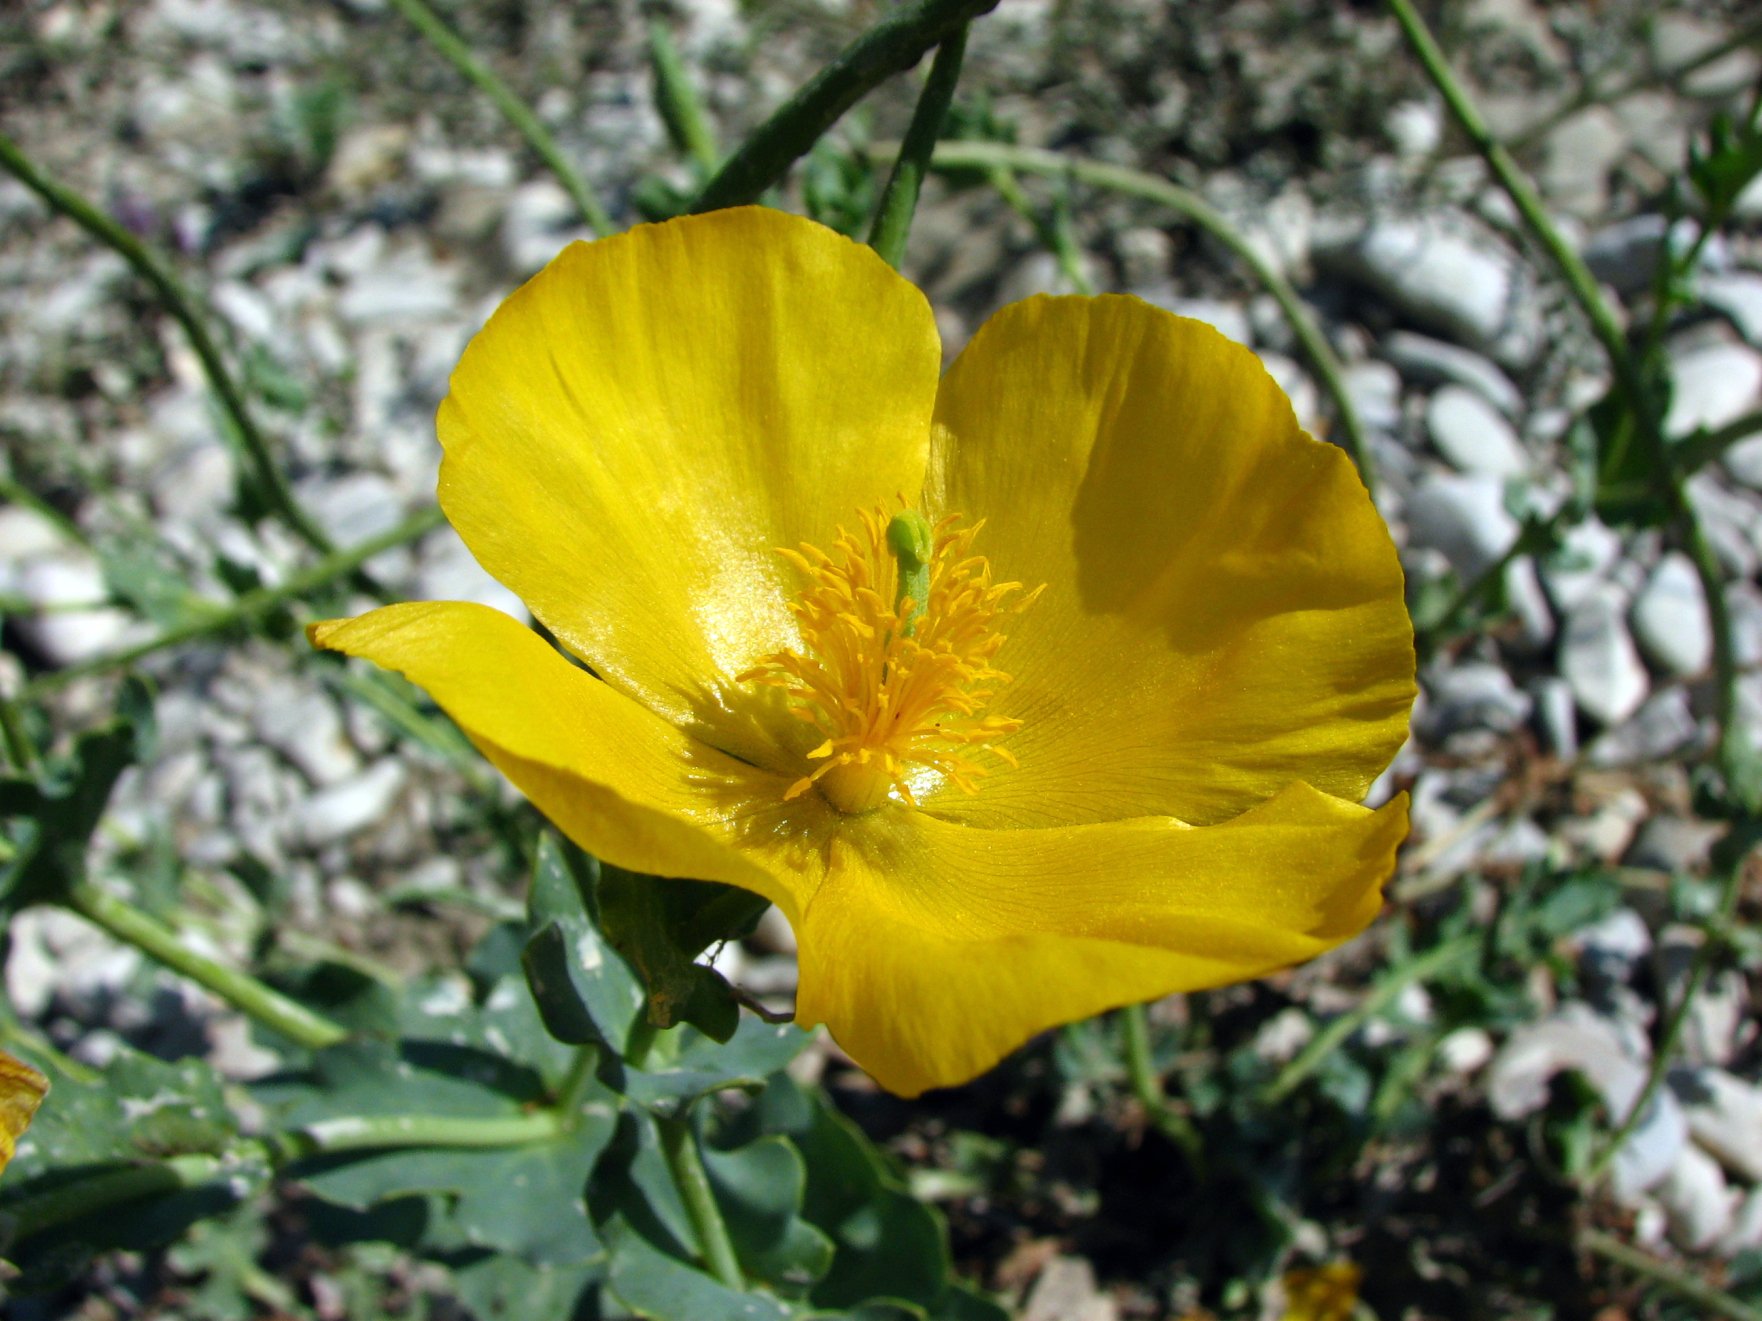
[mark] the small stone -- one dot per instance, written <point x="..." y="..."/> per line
<point x="1466" y="1050"/>
<point x="1678" y="38"/>
<point x="1529" y="606"/>
<point x="305" y="727"/>
<point x="66" y="637"/>
<point x="1442" y="281"/>
<point x="1145" y="255"/>
<point x="1670" y="618"/>
<point x="348" y="808"/>
<point x="1040" y="273"/>
<point x="1663" y="726"/>
<point x="1375" y="391"/>
<point x="1713" y="384"/>
<point x="1427" y="361"/>
<point x="1414" y="128"/>
<point x="1598" y="657"/>
<point x="1727" y="517"/>
<point x="1625" y="255"/>
<point x="1737" y="295"/>
<point x="1578" y="159"/>
<point x="1674" y="844"/>
<point x="1745" y="1234"/>
<point x="1744" y="603"/>
<point x="1695" y="1197"/>
<point x="1470" y="434"/>
<point x="1556" y="715"/>
<point x="1066" y="1291"/>
<point x="1472" y="696"/>
<point x="1465" y="518"/>
<point x="1610" y="949"/>
<point x="448" y="572"/>
<point x="1586" y="553"/>
<point x="353" y="507"/>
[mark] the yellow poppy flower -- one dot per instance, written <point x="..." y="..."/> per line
<point x="22" y="1090"/>
<point x="984" y="812"/>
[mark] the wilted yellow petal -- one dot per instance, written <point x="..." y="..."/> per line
<point x="1223" y="609"/>
<point x="1322" y="1293"/>
<point x="22" y="1090"/>
<point x="639" y="427"/>
<point x="932" y="949"/>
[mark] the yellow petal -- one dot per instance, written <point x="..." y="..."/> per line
<point x="637" y="429"/>
<point x="22" y="1090"/>
<point x="616" y="778"/>
<point x="932" y="949"/>
<point x="1223" y="610"/>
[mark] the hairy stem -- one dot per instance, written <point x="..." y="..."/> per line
<point x="899" y="202"/>
<point x="679" y="1146"/>
<point x="892" y="46"/>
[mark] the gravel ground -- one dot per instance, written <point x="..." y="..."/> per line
<point x="352" y="211"/>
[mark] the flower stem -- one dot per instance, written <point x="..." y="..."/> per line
<point x="679" y="1146"/>
<point x="678" y="101"/>
<point x="1325" y="1042"/>
<point x="891" y="46"/>
<point x="1702" y="450"/>
<point x="72" y="1201"/>
<point x="1147" y="1087"/>
<point x="989" y="156"/>
<point x="1716" y="1301"/>
<point x="181" y="304"/>
<point x="1732" y="852"/>
<point x="250" y="606"/>
<point x="519" y="116"/>
<point x="893" y="219"/>
<point x="369" y="1132"/>
<point x="240" y="990"/>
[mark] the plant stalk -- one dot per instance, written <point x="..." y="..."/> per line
<point x="679" y="1146"/>
<point x="899" y="201"/>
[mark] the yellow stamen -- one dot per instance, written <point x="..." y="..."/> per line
<point x="896" y="685"/>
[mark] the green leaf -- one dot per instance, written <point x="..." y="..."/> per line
<point x="583" y="988"/>
<point x="889" y="1247"/>
<point x="685" y="1064"/>
<point x="660" y="925"/>
<point x="49" y="820"/>
<point x="497" y="1287"/>
<point x="759" y="1187"/>
<point x="663" y="1288"/>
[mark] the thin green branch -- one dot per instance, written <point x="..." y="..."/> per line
<point x="181" y="304"/>
<point x="1693" y="455"/>
<point x="386" y="1132"/>
<point x="1383" y="994"/>
<point x="679" y="1146"/>
<point x="251" y="606"/>
<point x="988" y="156"/>
<point x="240" y="990"/>
<point x="519" y="116"/>
<point x="892" y="46"/>
<point x="1732" y="852"/>
<point x="682" y="110"/>
<point x="1579" y="280"/>
<point x="1055" y="237"/>
<point x="1685" y="1285"/>
<point x="1589" y="94"/>
<point x="116" y="1187"/>
<point x="1147" y="1087"/>
<point x="899" y="201"/>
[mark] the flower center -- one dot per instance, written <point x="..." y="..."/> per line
<point x="898" y="628"/>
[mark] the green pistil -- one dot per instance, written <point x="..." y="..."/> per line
<point x="910" y="539"/>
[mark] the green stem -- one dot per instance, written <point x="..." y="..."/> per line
<point x="250" y="606"/>
<point x="1147" y="1087"/>
<point x="988" y="156"/>
<point x="1731" y="852"/>
<point x="99" y="1192"/>
<point x="1696" y="454"/>
<point x="1534" y="538"/>
<point x="520" y="118"/>
<point x="679" y="1146"/>
<point x="242" y="991"/>
<point x="1590" y="95"/>
<point x="380" y="1132"/>
<point x="575" y="1085"/>
<point x="1325" y="1042"/>
<point x="180" y="303"/>
<point x="892" y="46"/>
<point x="899" y="202"/>
<point x="18" y="743"/>
<point x="1054" y="237"/>
<point x="681" y="108"/>
<point x="1716" y="1301"/>
<point x="1579" y="280"/>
